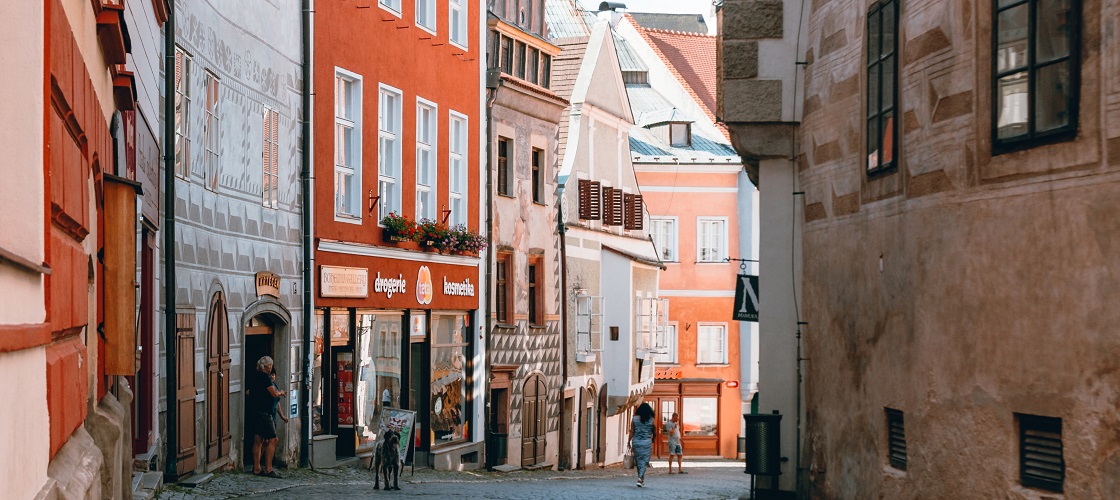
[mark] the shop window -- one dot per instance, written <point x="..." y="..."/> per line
<point x="378" y="371"/>
<point x="700" y="416"/>
<point x="449" y="412"/>
<point x="317" y="375"/>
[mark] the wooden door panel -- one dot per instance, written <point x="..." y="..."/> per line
<point x="185" y="394"/>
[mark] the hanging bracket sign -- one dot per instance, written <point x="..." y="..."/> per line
<point x="746" y="298"/>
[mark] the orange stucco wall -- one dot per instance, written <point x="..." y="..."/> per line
<point x="385" y="49"/>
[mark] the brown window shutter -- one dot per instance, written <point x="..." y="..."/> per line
<point x="639" y="213"/>
<point x="608" y="206"/>
<point x="584" y="199"/>
<point x="628" y="205"/>
<point x="618" y="210"/>
<point x="596" y="200"/>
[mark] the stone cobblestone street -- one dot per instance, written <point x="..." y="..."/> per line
<point x="705" y="480"/>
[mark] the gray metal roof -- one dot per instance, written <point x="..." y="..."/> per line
<point x="566" y="19"/>
<point x="651" y="108"/>
<point x="628" y="59"/>
<point x="687" y="23"/>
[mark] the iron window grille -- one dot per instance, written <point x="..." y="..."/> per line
<point x="1041" y="461"/>
<point x="882" y="86"/>
<point x="1035" y="72"/>
<point x="896" y="439"/>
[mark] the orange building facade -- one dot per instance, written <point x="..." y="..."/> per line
<point x="396" y="119"/>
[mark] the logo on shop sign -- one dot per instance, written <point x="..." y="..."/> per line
<point x="424" y="289"/>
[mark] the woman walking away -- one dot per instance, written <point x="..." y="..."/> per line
<point x="641" y="439"/>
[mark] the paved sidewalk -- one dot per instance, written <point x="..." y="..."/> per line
<point x="707" y="479"/>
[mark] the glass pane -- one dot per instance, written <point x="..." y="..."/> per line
<point x="1051" y="103"/>
<point x="873" y="90"/>
<point x="1012" y="37"/>
<point x="701" y="416"/>
<point x="873" y="38"/>
<point x="1053" y="30"/>
<point x="888" y="28"/>
<point x="317" y="375"/>
<point x="872" y="143"/>
<point x="343" y="182"/>
<point x="1011" y="106"/>
<point x="344" y="147"/>
<point x="888" y="68"/>
<point x="887" y="121"/>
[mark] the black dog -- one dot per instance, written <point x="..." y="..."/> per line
<point x="387" y="458"/>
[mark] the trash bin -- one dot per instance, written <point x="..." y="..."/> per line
<point x="763" y="444"/>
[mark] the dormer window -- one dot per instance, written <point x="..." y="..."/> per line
<point x="680" y="134"/>
<point x="635" y="77"/>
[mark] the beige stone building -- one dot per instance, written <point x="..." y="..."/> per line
<point x="937" y="186"/>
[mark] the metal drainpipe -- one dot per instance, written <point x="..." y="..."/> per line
<point x="171" y="459"/>
<point x="562" y="230"/>
<point x="305" y="188"/>
<point x="492" y="85"/>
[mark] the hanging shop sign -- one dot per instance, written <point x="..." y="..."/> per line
<point x="352" y="282"/>
<point x="268" y="284"/>
<point x="746" y="298"/>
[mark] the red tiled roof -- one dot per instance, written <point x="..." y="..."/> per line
<point x="691" y="57"/>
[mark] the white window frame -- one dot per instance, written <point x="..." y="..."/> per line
<point x="212" y="131"/>
<point x="428" y="23"/>
<point x="427" y="150"/>
<point x="270" y="161"/>
<point x="460" y="27"/>
<point x="355" y="124"/>
<point x="183" y="115"/>
<point x="393" y="6"/>
<point x="671" y="243"/>
<point x="457" y="155"/>
<point x="667" y="345"/>
<point x="704" y="240"/>
<point x="651" y="320"/>
<point x="389" y="180"/>
<point x="589" y="323"/>
<point x="701" y="345"/>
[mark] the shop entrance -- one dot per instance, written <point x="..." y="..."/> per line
<point x="258" y="343"/>
<point x="533" y="421"/>
<point x="664" y="407"/>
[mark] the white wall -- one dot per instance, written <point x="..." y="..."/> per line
<point x="618" y="304"/>
<point x="25" y="441"/>
<point x="779" y="292"/>
<point x="748" y="330"/>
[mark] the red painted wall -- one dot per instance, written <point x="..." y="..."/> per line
<point x="78" y="143"/>
<point x="382" y="48"/>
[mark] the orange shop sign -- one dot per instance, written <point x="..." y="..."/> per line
<point x="668" y="373"/>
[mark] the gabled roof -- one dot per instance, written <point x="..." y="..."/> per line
<point x="628" y="60"/>
<point x="651" y="108"/>
<point x="565" y="69"/>
<point x="692" y="59"/>
<point x="685" y="23"/>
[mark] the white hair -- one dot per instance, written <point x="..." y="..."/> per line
<point x="263" y="362"/>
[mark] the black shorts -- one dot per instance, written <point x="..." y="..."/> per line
<point x="262" y="425"/>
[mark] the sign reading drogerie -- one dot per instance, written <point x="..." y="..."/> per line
<point x="348" y="282"/>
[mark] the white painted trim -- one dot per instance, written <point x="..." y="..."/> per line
<point x="362" y="249"/>
<point x="435" y="17"/>
<point x="671" y="165"/>
<point x="451" y="116"/>
<point x="696" y="293"/>
<point x="464" y="8"/>
<point x="398" y="179"/>
<point x="386" y="8"/>
<point x="433" y="183"/>
<point x="359" y="127"/>
<point x="583" y="253"/>
<point x="688" y="189"/>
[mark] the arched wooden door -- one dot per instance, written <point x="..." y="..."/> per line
<point x="217" y="379"/>
<point x="534" y="421"/>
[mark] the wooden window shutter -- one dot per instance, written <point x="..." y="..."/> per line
<point x="186" y="455"/>
<point x="618" y="210"/>
<point x="584" y="199"/>
<point x="608" y="207"/>
<point x="639" y="213"/>
<point x="596" y="200"/>
<point x="633" y="203"/>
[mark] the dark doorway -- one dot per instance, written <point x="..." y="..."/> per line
<point x="534" y="418"/>
<point x="142" y="383"/>
<point x="258" y="343"/>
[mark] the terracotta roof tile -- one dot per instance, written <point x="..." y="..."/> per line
<point x="692" y="59"/>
